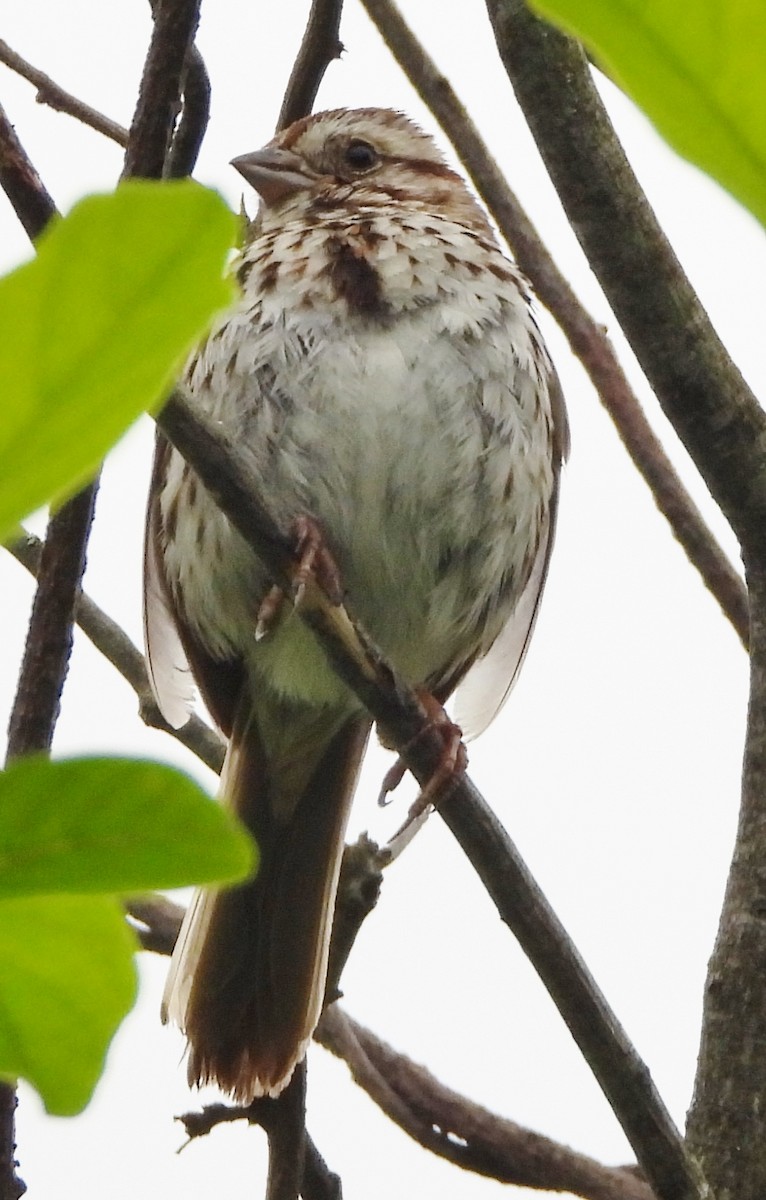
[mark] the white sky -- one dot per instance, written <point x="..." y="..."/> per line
<point x="615" y="765"/>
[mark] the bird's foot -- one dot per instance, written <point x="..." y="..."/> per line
<point x="452" y="763"/>
<point x="313" y="561"/>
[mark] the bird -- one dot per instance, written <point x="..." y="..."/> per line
<point x="383" y="370"/>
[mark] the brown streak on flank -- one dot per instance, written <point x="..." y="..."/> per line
<point x="501" y="272"/>
<point x="170" y="523"/>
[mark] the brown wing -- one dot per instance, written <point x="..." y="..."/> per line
<point x="488" y="683"/>
<point x="175" y="657"/>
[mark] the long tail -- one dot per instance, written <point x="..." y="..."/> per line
<point x="248" y="974"/>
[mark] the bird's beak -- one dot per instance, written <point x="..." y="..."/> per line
<point x="275" y="173"/>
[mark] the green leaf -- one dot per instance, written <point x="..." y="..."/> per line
<point x="68" y="980"/>
<point x="95" y="327"/>
<point x="696" y="67"/>
<point x="112" y="825"/>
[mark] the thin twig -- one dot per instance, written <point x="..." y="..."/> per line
<point x="226" y="473"/>
<point x="319" y="1182"/>
<point x="107" y="636"/>
<point x="463" y="1132"/>
<point x="698" y="386"/>
<point x="283" y="1121"/>
<point x="320" y="46"/>
<point x="22" y="185"/>
<point x="195" y="115"/>
<point x="175" y="24"/>
<point x="586" y="337"/>
<point x="54" y="96"/>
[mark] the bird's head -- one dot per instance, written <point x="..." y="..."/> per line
<point x="356" y="158"/>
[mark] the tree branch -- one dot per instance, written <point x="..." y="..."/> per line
<point x="320" y="46"/>
<point x="195" y="114"/>
<point x="727" y="1119"/>
<point x="11" y="1187"/>
<point x="151" y="131"/>
<point x="49" y="93"/>
<point x="586" y="337"/>
<point x="698" y="386"/>
<point x="226" y="473"/>
<point x="22" y="185"/>
<point x="318" y="1183"/>
<point x="463" y="1132"/>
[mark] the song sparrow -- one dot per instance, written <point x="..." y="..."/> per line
<point x="385" y="373"/>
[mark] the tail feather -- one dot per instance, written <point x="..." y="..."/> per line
<point x="248" y="974"/>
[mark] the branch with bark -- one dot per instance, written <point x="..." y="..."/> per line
<point x="51" y="93"/>
<point x="320" y="46"/>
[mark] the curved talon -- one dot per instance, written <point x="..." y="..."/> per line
<point x="269" y="612"/>
<point x="314" y="561"/>
<point x="453" y="762"/>
<point x="391" y="780"/>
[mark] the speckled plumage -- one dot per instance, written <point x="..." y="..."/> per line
<point x="385" y="372"/>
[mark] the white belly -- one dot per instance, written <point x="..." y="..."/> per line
<point x="425" y="462"/>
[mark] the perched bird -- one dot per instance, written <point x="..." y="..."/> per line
<point x="384" y="371"/>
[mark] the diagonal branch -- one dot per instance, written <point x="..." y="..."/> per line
<point x="225" y="471"/>
<point x="320" y="46"/>
<point x="585" y="336"/>
<point x="463" y="1132"/>
<point x="26" y="191"/>
<point x="50" y="93"/>
<point x="699" y="388"/>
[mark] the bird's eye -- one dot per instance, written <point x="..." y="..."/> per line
<point x="360" y="156"/>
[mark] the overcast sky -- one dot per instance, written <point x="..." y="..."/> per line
<point x="615" y="765"/>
